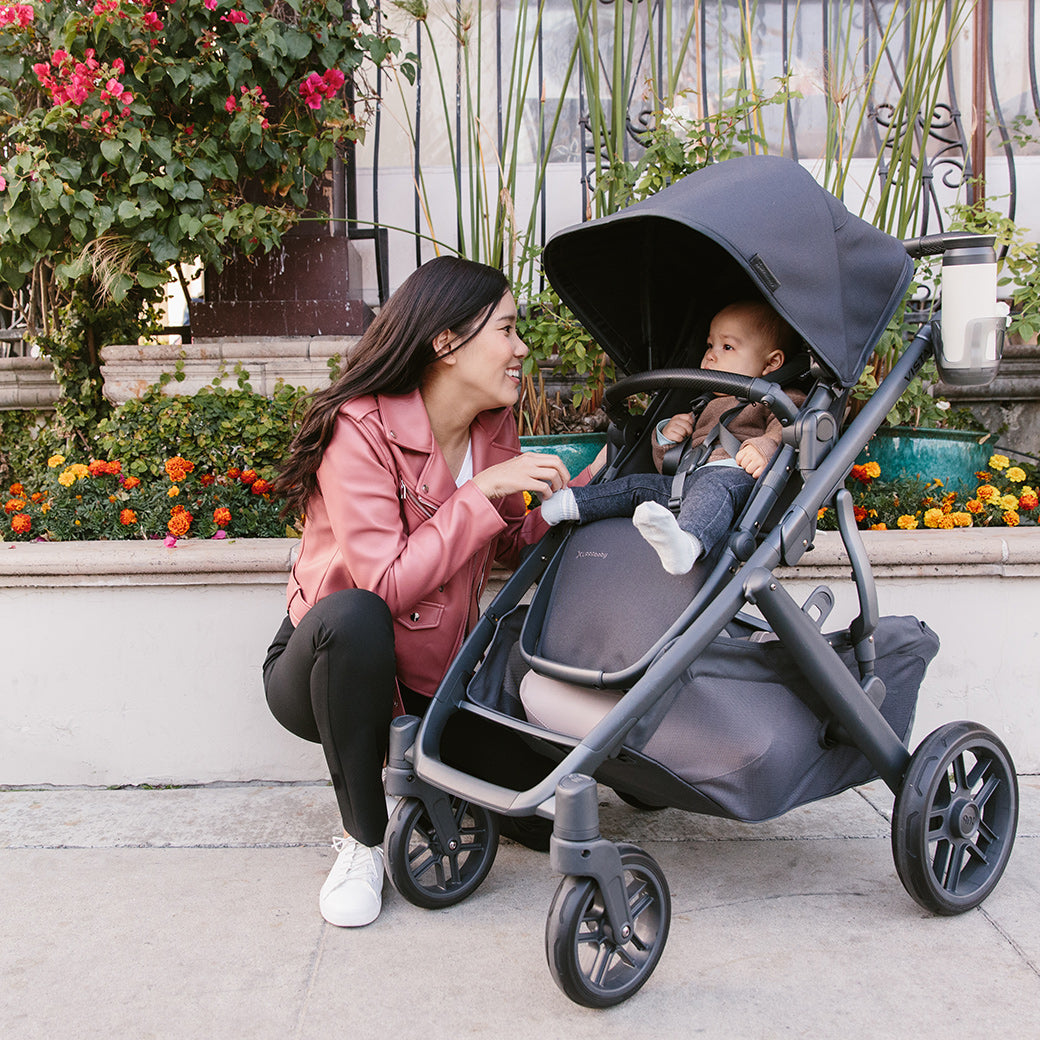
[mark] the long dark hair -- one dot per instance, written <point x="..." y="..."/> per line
<point x="447" y="293"/>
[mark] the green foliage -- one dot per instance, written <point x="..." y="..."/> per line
<point x="217" y="427"/>
<point x="132" y="140"/>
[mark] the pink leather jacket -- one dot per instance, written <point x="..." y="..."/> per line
<point x="390" y="519"/>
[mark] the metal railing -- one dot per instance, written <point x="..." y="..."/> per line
<point x="705" y="47"/>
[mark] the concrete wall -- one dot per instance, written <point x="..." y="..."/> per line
<point x="130" y="663"/>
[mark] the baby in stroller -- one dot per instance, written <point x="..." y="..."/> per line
<point x="722" y="446"/>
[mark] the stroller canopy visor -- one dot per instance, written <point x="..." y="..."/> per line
<point x="647" y="280"/>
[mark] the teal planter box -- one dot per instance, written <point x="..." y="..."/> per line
<point x="576" y="450"/>
<point x="952" y="456"/>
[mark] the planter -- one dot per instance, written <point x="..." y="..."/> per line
<point x="952" y="456"/>
<point x="576" y="450"/>
<point x="131" y="663"/>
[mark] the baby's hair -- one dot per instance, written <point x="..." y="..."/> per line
<point x="771" y="325"/>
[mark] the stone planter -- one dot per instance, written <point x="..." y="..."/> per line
<point x="952" y="456"/>
<point x="130" y="663"/>
<point x="27" y="382"/>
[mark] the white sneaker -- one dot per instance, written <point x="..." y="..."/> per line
<point x="353" y="892"/>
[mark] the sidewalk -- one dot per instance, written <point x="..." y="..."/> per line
<point x="187" y="913"/>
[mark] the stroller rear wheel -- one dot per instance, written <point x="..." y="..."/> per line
<point x="422" y="866"/>
<point x="955" y="818"/>
<point x="587" y="961"/>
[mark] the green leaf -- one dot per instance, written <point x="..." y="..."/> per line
<point x="238" y="65"/>
<point x="112" y="151"/>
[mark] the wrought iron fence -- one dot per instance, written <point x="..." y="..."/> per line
<point x="522" y="105"/>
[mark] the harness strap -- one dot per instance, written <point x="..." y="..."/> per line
<point x="691" y="458"/>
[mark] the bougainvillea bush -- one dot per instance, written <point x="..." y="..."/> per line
<point x="135" y="134"/>
<point x="1005" y="495"/>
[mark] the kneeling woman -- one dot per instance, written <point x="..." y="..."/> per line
<point x="409" y="475"/>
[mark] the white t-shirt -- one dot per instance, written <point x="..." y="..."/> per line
<point x="466" y="473"/>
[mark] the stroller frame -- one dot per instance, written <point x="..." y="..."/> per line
<point x="956" y="796"/>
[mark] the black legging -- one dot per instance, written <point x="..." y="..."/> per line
<point x="332" y="680"/>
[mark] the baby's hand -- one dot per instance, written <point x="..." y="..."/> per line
<point x="678" y="428"/>
<point x="751" y="459"/>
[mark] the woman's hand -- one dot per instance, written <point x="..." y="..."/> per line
<point x="537" y="472"/>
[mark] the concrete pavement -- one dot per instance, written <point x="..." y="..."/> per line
<point x="192" y="913"/>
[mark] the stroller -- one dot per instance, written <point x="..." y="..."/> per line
<point x="713" y="692"/>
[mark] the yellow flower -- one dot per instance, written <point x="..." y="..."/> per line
<point x="67" y="479"/>
<point x="987" y="493"/>
<point x="907" y="523"/>
<point x="1016" y="475"/>
<point x="1010" y="518"/>
<point x="1008" y="502"/>
<point x="78" y="470"/>
<point x="933" y="518"/>
<point x="55" y="460"/>
<point x="961" y="519"/>
<point x="879" y="527"/>
<point x="999" y="462"/>
<point x="872" y="470"/>
<point x="175" y="491"/>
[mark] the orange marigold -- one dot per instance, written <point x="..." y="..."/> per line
<point x="178" y="468"/>
<point x="222" y="516"/>
<point x="179" y="523"/>
<point x="973" y="505"/>
<point x="21" y="523"/>
<point x="127" y="517"/>
<point x="986" y="493"/>
<point x="260" y="487"/>
<point x="234" y="473"/>
<point x="1028" y="500"/>
<point x="131" y="482"/>
<point x="14" y="505"/>
<point x="933" y="518"/>
<point x="248" y="476"/>
<point x="17" y="491"/>
<point x="961" y="519"/>
<point x="1010" y="518"/>
<point x="907" y="523"/>
<point x="879" y="527"/>
<point x="207" y="479"/>
<point x="859" y="513"/>
<point x="97" y="468"/>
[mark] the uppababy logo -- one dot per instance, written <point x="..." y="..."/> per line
<point x="583" y="553"/>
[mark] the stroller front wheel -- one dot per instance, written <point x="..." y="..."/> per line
<point x="586" y="960"/>
<point x="426" y="869"/>
<point x="955" y="818"/>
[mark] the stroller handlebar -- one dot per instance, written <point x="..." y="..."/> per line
<point x="698" y="381"/>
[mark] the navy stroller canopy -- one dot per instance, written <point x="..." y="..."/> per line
<point x="647" y="280"/>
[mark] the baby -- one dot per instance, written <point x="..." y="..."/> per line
<point x="747" y="338"/>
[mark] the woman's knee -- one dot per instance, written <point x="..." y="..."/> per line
<point x="354" y="617"/>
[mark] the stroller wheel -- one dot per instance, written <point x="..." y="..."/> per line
<point x="585" y="959"/>
<point x="421" y="866"/>
<point x="955" y="818"/>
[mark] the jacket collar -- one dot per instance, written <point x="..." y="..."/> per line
<point x="408" y="426"/>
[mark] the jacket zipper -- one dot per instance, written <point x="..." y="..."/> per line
<point x="424" y="507"/>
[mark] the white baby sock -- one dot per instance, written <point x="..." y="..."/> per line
<point x="678" y="549"/>
<point x="560" y="506"/>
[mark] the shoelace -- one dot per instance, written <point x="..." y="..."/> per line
<point x="353" y="866"/>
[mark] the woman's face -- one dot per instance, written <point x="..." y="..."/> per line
<point x="487" y="369"/>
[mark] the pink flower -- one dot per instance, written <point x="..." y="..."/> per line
<point x="334" y="79"/>
<point x="152" y="21"/>
<point x="231" y="105"/>
<point x="58" y="57"/>
<point x="3" y="183"/>
<point x="170" y="542"/>
<point x="210" y="5"/>
<point x="235" y="17"/>
<point x="219" y="534"/>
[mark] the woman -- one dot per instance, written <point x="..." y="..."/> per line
<point x="409" y="475"/>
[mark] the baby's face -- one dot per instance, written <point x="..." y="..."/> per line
<point x="735" y="345"/>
